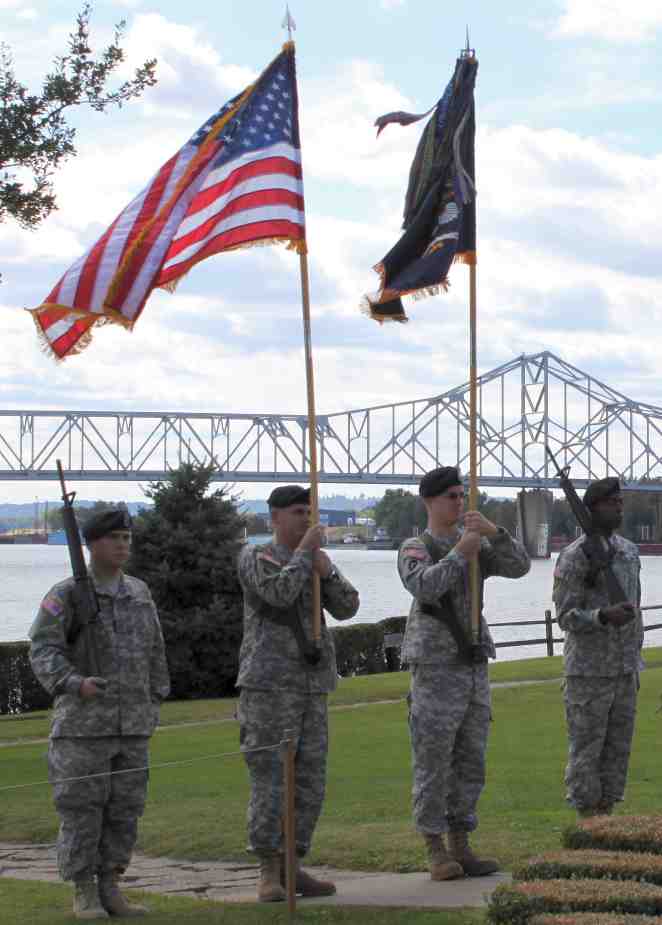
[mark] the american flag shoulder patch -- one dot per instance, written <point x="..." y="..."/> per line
<point x="414" y="552"/>
<point x="266" y="557"/>
<point x="53" y="605"/>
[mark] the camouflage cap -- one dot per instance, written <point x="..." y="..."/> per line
<point x="103" y="523"/>
<point x="438" y="480"/>
<point x="286" y="495"/>
<point x="601" y="489"/>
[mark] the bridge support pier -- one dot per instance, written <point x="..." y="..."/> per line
<point x="534" y="515"/>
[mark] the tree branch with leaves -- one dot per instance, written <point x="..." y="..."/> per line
<point x="35" y="137"/>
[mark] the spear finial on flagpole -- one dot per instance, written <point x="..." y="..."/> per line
<point x="468" y="51"/>
<point x="288" y="23"/>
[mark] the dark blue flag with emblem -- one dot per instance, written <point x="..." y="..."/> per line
<point x="440" y="209"/>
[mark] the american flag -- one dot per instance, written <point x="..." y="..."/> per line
<point x="235" y="183"/>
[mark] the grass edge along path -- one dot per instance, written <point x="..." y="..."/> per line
<point x="40" y="903"/>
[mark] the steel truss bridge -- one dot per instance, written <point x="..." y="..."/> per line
<point x="523" y="404"/>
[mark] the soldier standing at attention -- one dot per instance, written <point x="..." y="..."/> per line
<point x="101" y="724"/>
<point x="601" y="657"/>
<point x="449" y="700"/>
<point x="282" y="687"/>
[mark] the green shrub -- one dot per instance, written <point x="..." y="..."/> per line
<point x="20" y="691"/>
<point x="360" y="648"/>
<point x="613" y="865"/>
<point x="516" y="903"/>
<point x="617" y="833"/>
<point x="594" y="918"/>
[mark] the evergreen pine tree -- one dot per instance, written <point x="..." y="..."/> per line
<point x="186" y="549"/>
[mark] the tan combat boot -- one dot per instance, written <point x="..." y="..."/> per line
<point x="269" y="889"/>
<point x="113" y="901"/>
<point x="442" y="865"/>
<point x="307" y="885"/>
<point x="87" y="904"/>
<point x="458" y="843"/>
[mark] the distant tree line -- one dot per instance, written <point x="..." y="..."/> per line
<point x="401" y="513"/>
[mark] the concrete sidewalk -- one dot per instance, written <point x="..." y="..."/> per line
<point x="234" y="882"/>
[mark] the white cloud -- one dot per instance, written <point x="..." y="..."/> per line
<point x="192" y="76"/>
<point x="610" y="20"/>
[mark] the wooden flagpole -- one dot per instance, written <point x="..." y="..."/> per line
<point x="312" y="434"/>
<point x="473" y="446"/>
<point x="290" y="25"/>
<point x="474" y="577"/>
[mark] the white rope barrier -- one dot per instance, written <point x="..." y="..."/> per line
<point x="151" y="767"/>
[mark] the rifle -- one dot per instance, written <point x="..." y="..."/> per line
<point x="596" y="548"/>
<point x="84" y="599"/>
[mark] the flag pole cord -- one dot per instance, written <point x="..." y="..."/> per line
<point x="473" y="446"/>
<point x="312" y="433"/>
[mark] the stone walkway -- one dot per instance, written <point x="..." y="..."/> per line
<point x="235" y="882"/>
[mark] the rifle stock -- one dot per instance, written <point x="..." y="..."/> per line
<point x="84" y="600"/>
<point x="596" y="548"/>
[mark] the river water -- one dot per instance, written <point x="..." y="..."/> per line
<point x="27" y="572"/>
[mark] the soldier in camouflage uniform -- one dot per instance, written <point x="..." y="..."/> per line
<point x="450" y="697"/>
<point x="280" y="688"/>
<point x="602" y="658"/>
<point x="101" y="724"/>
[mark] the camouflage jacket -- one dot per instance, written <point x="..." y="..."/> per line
<point x="590" y="648"/>
<point x="131" y="656"/>
<point x="270" y="658"/>
<point x="427" y="639"/>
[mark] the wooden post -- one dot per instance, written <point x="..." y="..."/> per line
<point x="473" y="448"/>
<point x="289" y="830"/>
<point x="312" y="434"/>
<point x="549" y="632"/>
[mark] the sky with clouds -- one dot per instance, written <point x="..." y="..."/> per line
<point x="569" y="178"/>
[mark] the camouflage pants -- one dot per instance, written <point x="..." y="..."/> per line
<point x="449" y="717"/>
<point x="264" y="716"/>
<point x="600" y="715"/>
<point x="98" y="816"/>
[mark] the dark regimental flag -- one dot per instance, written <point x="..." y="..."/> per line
<point x="235" y="183"/>
<point x="440" y="211"/>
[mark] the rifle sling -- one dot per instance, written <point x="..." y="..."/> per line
<point x="445" y="611"/>
<point x="290" y="617"/>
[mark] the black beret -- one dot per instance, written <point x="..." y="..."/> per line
<point x="286" y="495"/>
<point x="438" y="480"/>
<point x="598" y="491"/>
<point x="99" y="525"/>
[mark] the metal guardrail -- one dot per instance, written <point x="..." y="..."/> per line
<point x="394" y="640"/>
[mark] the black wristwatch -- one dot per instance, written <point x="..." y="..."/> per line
<point x="601" y="617"/>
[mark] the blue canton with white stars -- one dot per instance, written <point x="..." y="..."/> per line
<point x="267" y="118"/>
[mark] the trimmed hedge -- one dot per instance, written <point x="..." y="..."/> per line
<point x="594" y="918"/>
<point x="19" y="689"/>
<point x="593" y="865"/>
<point x="616" y="833"/>
<point x="517" y="903"/>
<point x="360" y="648"/>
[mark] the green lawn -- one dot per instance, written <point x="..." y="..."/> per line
<point x="50" y="904"/>
<point x="365" y="689"/>
<point x="198" y="810"/>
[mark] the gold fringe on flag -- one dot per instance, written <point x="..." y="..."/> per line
<point x="293" y="244"/>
